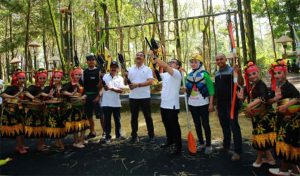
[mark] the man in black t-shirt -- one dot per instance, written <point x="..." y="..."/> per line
<point x="91" y="77"/>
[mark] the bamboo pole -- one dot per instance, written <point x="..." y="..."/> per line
<point x="167" y="21"/>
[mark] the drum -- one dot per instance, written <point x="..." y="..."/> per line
<point x="33" y="105"/>
<point x="259" y="109"/>
<point x="12" y="105"/>
<point x="77" y="101"/>
<point x="293" y="109"/>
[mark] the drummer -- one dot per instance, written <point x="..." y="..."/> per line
<point x="55" y="127"/>
<point x="11" y="121"/>
<point x="76" y="122"/>
<point x="263" y="120"/>
<point x="288" y="129"/>
<point x="35" y="116"/>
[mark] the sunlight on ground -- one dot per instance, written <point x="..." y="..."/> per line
<point x="159" y="129"/>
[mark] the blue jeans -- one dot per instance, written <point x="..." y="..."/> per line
<point x="108" y="111"/>
<point x="200" y="116"/>
<point x="229" y="126"/>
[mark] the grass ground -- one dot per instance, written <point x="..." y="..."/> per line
<point x="216" y="130"/>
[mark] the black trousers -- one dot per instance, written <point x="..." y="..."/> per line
<point x="200" y="116"/>
<point x="115" y="111"/>
<point x="230" y="126"/>
<point x="172" y="127"/>
<point x="135" y="105"/>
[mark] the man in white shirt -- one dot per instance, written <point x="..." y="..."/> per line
<point x="111" y="104"/>
<point x="140" y="78"/>
<point x="171" y="83"/>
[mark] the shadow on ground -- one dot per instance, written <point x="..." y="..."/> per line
<point x="122" y="158"/>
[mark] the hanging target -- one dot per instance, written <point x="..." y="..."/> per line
<point x="184" y="25"/>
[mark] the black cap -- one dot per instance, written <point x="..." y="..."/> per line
<point x="114" y="63"/>
<point x="90" y="56"/>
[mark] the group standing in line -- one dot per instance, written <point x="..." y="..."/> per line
<point x="54" y="111"/>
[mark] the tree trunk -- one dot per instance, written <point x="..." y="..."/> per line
<point x="11" y="36"/>
<point x="250" y="30"/>
<point x="97" y="28"/>
<point x="45" y="49"/>
<point x="106" y="23"/>
<point x="121" y="47"/>
<point x="7" y="53"/>
<point x="162" y="27"/>
<point x="27" y="58"/>
<point x="177" y="37"/>
<point x="66" y="39"/>
<point x="242" y="28"/>
<point x="1" y="71"/>
<point x="215" y="39"/>
<point x="271" y="27"/>
<point x="57" y="37"/>
<point x="71" y="47"/>
<point x="291" y="7"/>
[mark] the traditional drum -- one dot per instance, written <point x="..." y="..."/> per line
<point x="291" y="109"/>
<point x="260" y="109"/>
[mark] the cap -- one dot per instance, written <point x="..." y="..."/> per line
<point x="114" y="63"/>
<point x="90" y="56"/>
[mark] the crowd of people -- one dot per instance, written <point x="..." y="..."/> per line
<point x="53" y="111"/>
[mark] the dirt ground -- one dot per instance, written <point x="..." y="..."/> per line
<point x="122" y="158"/>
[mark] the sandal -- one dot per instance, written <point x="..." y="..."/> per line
<point x="270" y="162"/>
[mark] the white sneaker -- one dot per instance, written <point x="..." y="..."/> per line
<point x="276" y="171"/>
<point x="208" y="150"/>
<point x="78" y="145"/>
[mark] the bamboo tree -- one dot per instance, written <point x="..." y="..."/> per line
<point x="106" y="22"/>
<point x="57" y="36"/>
<point x="44" y="37"/>
<point x="271" y="27"/>
<point x="27" y="58"/>
<point x="162" y="26"/>
<point x="71" y="30"/>
<point x="7" y="53"/>
<point x="10" y="35"/>
<point x="242" y="28"/>
<point x="175" y="13"/>
<point x="121" y="41"/>
<point x="250" y="30"/>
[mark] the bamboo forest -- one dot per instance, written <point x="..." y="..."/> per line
<point x="193" y="87"/>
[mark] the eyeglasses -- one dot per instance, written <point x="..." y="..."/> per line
<point x="172" y="62"/>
